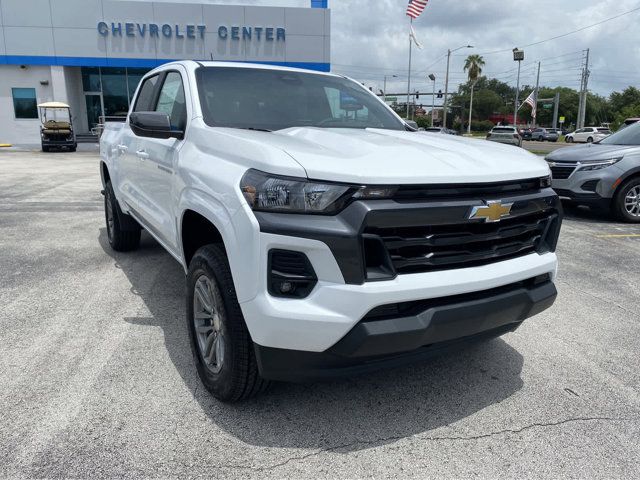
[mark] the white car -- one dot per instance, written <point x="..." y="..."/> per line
<point x="587" y="135"/>
<point x="319" y="234"/>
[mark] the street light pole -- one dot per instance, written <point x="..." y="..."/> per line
<point x="518" y="56"/>
<point x="446" y="83"/>
<point x="432" y="77"/>
<point x="384" y="90"/>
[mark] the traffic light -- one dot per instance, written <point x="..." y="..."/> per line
<point x="439" y="93"/>
<point x="417" y="95"/>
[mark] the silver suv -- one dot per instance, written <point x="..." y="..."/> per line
<point x="505" y="134"/>
<point x="602" y="174"/>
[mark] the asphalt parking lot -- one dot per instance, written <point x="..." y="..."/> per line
<point x="97" y="378"/>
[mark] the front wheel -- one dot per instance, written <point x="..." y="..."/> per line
<point x="626" y="203"/>
<point x="120" y="238"/>
<point x="590" y="140"/>
<point x="569" y="139"/>
<point x="220" y="342"/>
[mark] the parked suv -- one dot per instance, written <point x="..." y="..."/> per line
<point x="505" y="134"/>
<point x="603" y="174"/>
<point x="544" y="135"/>
<point x="319" y="234"/>
<point x="587" y="135"/>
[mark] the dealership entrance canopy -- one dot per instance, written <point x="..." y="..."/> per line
<point x="91" y="54"/>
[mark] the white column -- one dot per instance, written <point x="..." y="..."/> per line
<point x="58" y="85"/>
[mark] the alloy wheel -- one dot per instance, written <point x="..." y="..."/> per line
<point x="208" y="323"/>
<point x="632" y="201"/>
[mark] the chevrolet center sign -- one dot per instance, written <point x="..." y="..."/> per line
<point x="131" y="29"/>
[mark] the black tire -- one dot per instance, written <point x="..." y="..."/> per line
<point x="618" y="203"/>
<point x="45" y="149"/>
<point x="569" y="139"/>
<point x="590" y="140"/>
<point x="120" y="238"/>
<point x="73" y="148"/>
<point x="238" y="377"/>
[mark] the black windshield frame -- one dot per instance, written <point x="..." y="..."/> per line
<point x="274" y="99"/>
<point x="629" y="136"/>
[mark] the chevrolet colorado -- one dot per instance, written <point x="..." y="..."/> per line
<point x="319" y="233"/>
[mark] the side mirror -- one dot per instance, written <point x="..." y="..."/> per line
<point x="153" y="125"/>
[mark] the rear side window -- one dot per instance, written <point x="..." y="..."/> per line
<point x="172" y="102"/>
<point x="144" y="102"/>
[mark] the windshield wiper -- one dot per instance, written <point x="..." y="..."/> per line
<point x="256" y="129"/>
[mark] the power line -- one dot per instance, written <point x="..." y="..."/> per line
<point x="568" y="33"/>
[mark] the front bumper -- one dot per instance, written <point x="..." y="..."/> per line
<point x="390" y="338"/>
<point x="593" y="188"/>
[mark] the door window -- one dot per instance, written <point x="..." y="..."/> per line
<point x="172" y="101"/>
<point x="144" y="103"/>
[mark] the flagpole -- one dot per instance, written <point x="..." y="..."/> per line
<point x="535" y="99"/>
<point x="409" y="77"/>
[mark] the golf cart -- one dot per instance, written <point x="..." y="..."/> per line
<point x="56" y="129"/>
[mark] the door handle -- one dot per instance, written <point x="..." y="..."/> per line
<point x="119" y="149"/>
<point x="142" y="155"/>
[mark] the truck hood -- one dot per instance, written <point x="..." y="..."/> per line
<point x="590" y="152"/>
<point x="375" y="156"/>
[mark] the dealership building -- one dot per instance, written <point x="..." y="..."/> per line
<point x="90" y="54"/>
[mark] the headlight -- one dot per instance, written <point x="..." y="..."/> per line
<point x="545" y="182"/>
<point x="599" y="164"/>
<point x="297" y="195"/>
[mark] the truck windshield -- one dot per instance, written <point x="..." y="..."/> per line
<point x="628" y="136"/>
<point x="275" y="99"/>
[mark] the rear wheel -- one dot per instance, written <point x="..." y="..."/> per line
<point x="120" y="238"/>
<point x="626" y="203"/>
<point x="220" y="342"/>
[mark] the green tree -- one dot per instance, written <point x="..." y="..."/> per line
<point x="473" y="66"/>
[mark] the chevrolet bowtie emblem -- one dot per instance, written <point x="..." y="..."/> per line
<point x="494" y="211"/>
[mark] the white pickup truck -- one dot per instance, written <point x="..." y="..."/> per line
<point x="320" y="234"/>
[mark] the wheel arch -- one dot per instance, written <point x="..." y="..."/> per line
<point x="105" y="176"/>
<point x="206" y="220"/>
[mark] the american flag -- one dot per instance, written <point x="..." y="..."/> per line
<point x="415" y="7"/>
<point x="531" y="100"/>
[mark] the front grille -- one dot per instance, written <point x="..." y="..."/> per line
<point x="433" y="192"/>
<point x="439" y="247"/>
<point x="562" y="172"/>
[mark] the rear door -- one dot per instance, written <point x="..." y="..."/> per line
<point x="159" y="158"/>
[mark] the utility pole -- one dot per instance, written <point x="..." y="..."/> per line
<point x="518" y="56"/>
<point x="583" y="111"/>
<point x="556" y="107"/>
<point x="432" y="77"/>
<point x="582" y="105"/>
<point x="535" y="99"/>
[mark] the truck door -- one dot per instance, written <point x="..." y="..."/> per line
<point x="158" y="166"/>
<point x="128" y="148"/>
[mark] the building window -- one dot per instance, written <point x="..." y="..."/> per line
<point x="24" y="102"/>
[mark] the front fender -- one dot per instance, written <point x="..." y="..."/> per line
<point x="240" y="233"/>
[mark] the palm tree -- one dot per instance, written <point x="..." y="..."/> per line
<point x="473" y="66"/>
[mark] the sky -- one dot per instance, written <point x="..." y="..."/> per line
<point x="369" y="39"/>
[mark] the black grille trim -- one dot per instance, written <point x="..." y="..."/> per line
<point x="419" y="249"/>
<point x="562" y="172"/>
